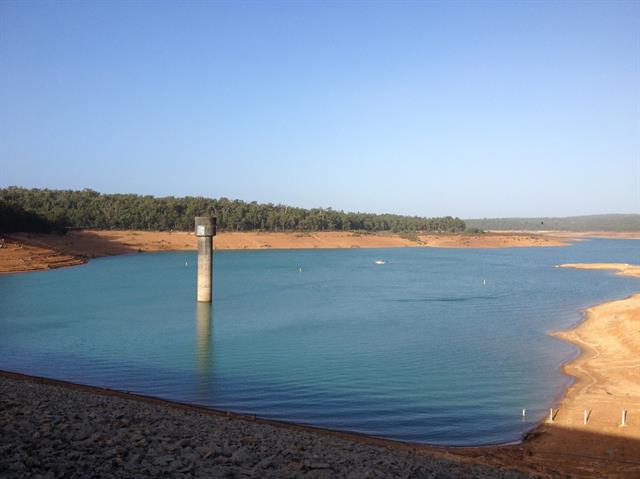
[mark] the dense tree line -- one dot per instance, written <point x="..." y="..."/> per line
<point x="90" y="209"/>
<point x="15" y="218"/>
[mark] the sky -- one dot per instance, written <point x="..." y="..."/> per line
<point x="470" y="109"/>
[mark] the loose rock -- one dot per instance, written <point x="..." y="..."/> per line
<point x="51" y="431"/>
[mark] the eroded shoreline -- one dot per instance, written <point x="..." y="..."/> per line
<point x="33" y="252"/>
<point x="607" y="371"/>
<point x="588" y="419"/>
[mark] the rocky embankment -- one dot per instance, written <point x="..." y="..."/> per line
<point x="54" y="431"/>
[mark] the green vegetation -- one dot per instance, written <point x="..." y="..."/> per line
<point x="90" y="209"/>
<point x="612" y="222"/>
<point x="15" y="218"/>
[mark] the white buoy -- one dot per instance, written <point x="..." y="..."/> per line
<point x="300" y="270"/>
<point x="524" y="412"/>
<point x="484" y="281"/>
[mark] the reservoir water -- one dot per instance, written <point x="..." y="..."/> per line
<point x="437" y="346"/>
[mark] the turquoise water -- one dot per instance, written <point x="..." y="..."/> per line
<point x="418" y="349"/>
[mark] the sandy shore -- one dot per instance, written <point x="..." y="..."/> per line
<point x="607" y="381"/>
<point x="607" y="373"/>
<point x="30" y="252"/>
<point x="492" y="240"/>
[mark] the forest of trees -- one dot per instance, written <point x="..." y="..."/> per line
<point x="90" y="209"/>
<point x="14" y="218"/>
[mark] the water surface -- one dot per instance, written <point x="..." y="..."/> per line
<point x="438" y="345"/>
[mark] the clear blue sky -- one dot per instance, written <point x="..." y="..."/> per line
<point x="473" y="109"/>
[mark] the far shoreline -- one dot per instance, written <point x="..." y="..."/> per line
<point x="24" y="252"/>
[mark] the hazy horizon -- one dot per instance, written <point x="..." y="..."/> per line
<point x="474" y="110"/>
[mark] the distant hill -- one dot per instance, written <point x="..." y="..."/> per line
<point x="613" y="222"/>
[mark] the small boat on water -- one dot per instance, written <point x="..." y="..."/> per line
<point x="380" y="261"/>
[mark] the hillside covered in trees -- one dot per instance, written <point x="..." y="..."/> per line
<point x="613" y="222"/>
<point x="92" y="210"/>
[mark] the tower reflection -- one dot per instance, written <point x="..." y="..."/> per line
<point x="203" y="350"/>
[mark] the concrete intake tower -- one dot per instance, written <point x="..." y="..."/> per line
<point x="205" y="231"/>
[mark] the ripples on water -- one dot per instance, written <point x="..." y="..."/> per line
<point x="419" y="349"/>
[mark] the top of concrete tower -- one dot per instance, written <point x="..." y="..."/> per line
<point x="205" y="226"/>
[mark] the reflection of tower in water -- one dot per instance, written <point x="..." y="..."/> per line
<point x="204" y="360"/>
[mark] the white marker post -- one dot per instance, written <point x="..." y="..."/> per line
<point x="550" y="414"/>
<point x="586" y="416"/>
<point x="623" y="419"/>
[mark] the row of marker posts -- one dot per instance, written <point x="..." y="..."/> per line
<point x="585" y="417"/>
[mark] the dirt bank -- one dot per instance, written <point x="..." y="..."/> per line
<point x="30" y="252"/>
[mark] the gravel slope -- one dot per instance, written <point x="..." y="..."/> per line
<point x="57" y="431"/>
